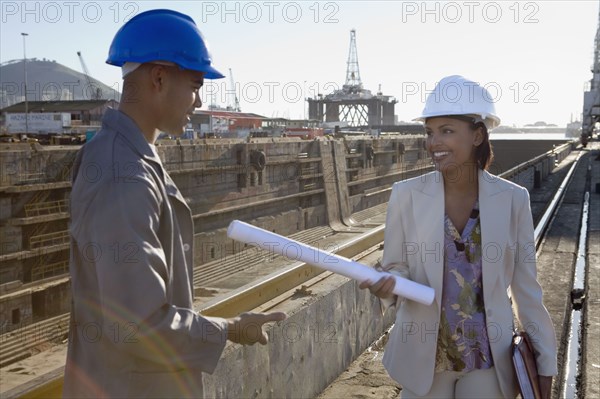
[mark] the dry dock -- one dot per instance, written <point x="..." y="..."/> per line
<point x="331" y="321"/>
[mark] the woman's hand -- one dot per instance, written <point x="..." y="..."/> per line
<point x="545" y="386"/>
<point x="383" y="288"/>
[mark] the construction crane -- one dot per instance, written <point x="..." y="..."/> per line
<point x="236" y="104"/>
<point x="96" y="91"/>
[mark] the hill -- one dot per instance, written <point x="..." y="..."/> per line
<point x="46" y="81"/>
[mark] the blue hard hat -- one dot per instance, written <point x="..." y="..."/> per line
<point x="163" y="35"/>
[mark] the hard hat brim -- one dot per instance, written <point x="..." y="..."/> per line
<point x="209" y="71"/>
<point x="212" y="73"/>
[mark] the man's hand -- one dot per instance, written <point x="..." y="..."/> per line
<point x="545" y="386"/>
<point x="247" y="328"/>
<point x="383" y="288"/>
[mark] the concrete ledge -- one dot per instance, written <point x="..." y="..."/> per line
<point x="329" y="325"/>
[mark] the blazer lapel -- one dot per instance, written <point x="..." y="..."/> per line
<point x="495" y="206"/>
<point x="428" y="212"/>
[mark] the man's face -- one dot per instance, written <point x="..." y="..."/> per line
<point x="180" y="98"/>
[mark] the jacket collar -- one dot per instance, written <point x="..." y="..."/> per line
<point x="489" y="184"/>
<point x="125" y="126"/>
<point x="428" y="211"/>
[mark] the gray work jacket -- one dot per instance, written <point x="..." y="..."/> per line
<point x="133" y="331"/>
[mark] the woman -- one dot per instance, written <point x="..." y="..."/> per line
<point x="469" y="235"/>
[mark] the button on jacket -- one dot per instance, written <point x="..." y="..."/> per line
<point x="133" y="331"/>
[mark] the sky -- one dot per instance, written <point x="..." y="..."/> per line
<point x="534" y="57"/>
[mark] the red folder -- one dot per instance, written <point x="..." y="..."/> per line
<point x="525" y="366"/>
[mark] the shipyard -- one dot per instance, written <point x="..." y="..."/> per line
<point x="302" y="142"/>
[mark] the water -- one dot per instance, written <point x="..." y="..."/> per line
<point x="570" y="383"/>
<point x="574" y="348"/>
<point x="529" y="136"/>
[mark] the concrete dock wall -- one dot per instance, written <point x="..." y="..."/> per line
<point x="324" y="333"/>
<point x="284" y="185"/>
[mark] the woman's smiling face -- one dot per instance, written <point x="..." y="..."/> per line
<point x="451" y="142"/>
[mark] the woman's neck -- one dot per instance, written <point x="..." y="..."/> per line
<point x="463" y="181"/>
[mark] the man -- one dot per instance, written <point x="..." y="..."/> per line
<point x="133" y="330"/>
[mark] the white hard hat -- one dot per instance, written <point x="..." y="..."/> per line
<point x="455" y="95"/>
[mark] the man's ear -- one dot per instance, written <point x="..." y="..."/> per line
<point x="158" y="74"/>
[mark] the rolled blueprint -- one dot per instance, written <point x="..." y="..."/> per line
<point x="289" y="248"/>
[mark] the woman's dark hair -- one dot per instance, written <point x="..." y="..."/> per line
<point x="484" y="155"/>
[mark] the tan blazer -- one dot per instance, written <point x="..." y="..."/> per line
<point x="414" y="248"/>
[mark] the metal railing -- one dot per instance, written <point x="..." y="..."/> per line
<point x="44" y="240"/>
<point x="46" y="208"/>
<point x="40" y="272"/>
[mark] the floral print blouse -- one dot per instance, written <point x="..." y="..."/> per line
<point x="463" y="343"/>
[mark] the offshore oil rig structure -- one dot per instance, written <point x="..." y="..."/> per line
<point x="352" y="105"/>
